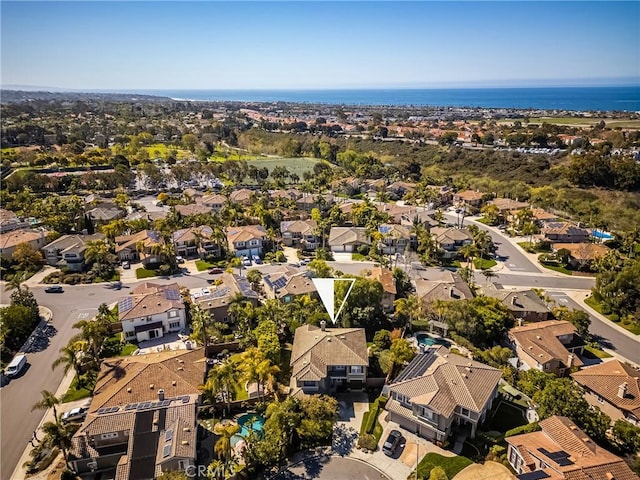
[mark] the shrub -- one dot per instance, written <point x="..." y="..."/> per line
<point x="614" y="317"/>
<point x="531" y="427"/>
<point x="367" y="441"/>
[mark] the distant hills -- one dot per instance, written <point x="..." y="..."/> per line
<point x="9" y="94"/>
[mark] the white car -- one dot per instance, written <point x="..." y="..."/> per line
<point x="75" y="414"/>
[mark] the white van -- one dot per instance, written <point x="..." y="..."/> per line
<point x="16" y="365"/>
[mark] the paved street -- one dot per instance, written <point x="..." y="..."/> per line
<point x="541" y="281"/>
<point x="331" y="468"/>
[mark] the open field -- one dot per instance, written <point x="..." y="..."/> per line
<point x="294" y="165"/>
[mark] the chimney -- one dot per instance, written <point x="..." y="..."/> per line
<point x="514" y="300"/>
<point x="451" y="292"/>
<point x="151" y="386"/>
<point x="520" y="320"/>
<point x="570" y="358"/>
<point x="323" y="325"/>
<point x="161" y="394"/>
<point x="622" y="390"/>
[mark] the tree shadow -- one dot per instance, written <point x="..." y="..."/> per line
<point x="344" y="439"/>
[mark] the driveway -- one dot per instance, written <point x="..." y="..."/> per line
<point x="332" y="468"/>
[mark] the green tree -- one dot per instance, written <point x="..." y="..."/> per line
<point x="254" y="277"/>
<point x="27" y="257"/>
<point x="579" y="318"/>
<point x="320" y="268"/>
<point x="222" y="447"/>
<point x="438" y="473"/>
<point x="48" y="400"/>
<point x="17" y="324"/>
<point x="626" y="436"/>
<point x="58" y="435"/>
<point x="266" y="334"/>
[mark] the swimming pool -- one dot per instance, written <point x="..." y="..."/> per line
<point x="248" y="422"/>
<point x="428" y="341"/>
<point x="601" y="235"/>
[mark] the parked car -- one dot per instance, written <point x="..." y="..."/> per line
<point x="54" y="289"/>
<point x="126" y="265"/>
<point x="16" y="365"/>
<point x="77" y="414"/>
<point x="246" y="261"/>
<point x="179" y="259"/>
<point x="257" y="260"/>
<point x="392" y="442"/>
<point x="215" y="271"/>
<point x="305" y="261"/>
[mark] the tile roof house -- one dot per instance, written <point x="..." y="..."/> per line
<point x="438" y="390"/>
<point x="523" y="304"/>
<point x="451" y="239"/>
<point x="542" y="216"/>
<point x="396" y="238"/>
<point x="385" y="277"/>
<point x="243" y="196"/>
<point x="300" y="233"/>
<point x="142" y="418"/>
<point x="324" y="358"/>
<point x="142" y="246"/>
<point x="68" y="251"/>
<point x="193" y="209"/>
<point x="102" y="215"/>
<point x="347" y="239"/>
<point x="151" y="311"/>
<point x="10" y="240"/>
<point x="9" y="221"/>
<point x="193" y="241"/>
<point x="216" y="298"/>
<point x="507" y="204"/>
<point x="214" y="201"/>
<point x="614" y="388"/>
<point x="564" y="232"/>
<point x="561" y="450"/>
<point x="247" y="240"/>
<point x="286" y="286"/>
<point x="449" y="290"/>
<point x="551" y="346"/>
<point x="398" y="189"/>
<point x="582" y="254"/>
<point x="468" y="197"/>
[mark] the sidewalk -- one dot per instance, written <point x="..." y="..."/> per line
<point x="19" y="473"/>
<point x="38" y="277"/>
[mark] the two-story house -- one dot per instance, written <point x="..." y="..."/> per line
<point x="552" y="346"/>
<point x="614" y="388"/>
<point x="468" y="197"/>
<point x="213" y="201"/>
<point x="216" y="298"/>
<point x="396" y="239"/>
<point x="68" y="251"/>
<point x="189" y="242"/>
<point x="242" y="196"/>
<point x="151" y="311"/>
<point x="385" y="277"/>
<point x="438" y="390"/>
<point x="300" y="234"/>
<point x="523" y="304"/>
<point x="450" y="239"/>
<point x="323" y="359"/>
<point x="142" y="418"/>
<point x="142" y="246"/>
<point x="247" y="240"/>
<point x="561" y="450"/>
<point x="286" y="286"/>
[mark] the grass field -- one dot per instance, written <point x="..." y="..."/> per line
<point x="294" y="165"/>
<point x="596" y="352"/>
<point x="484" y="263"/>
<point x="75" y="392"/>
<point x="451" y="465"/>
<point x="144" y="273"/>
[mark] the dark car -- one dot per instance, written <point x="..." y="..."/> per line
<point x="216" y="270"/>
<point x="392" y="442"/>
<point x="54" y="289"/>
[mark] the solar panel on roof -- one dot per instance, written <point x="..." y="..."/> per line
<point x="416" y="368"/>
<point x="101" y="411"/>
<point x="171" y="294"/>
<point x="131" y="406"/>
<point x="165" y="403"/>
<point x="125" y="304"/>
<point x="185" y="399"/>
<point x="114" y="409"/>
<point x="144" y="405"/>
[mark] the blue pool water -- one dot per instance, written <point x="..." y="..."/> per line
<point x="601" y="235"/>
<point x="428" y="341"/>
<point x="248" y="422"/>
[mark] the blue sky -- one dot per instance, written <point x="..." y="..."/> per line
<point x="266" y="45"/>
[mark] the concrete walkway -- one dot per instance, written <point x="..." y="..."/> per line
<point x="38" y="277"/>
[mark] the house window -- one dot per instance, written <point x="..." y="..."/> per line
<point x="340" y="368"/>
<point x="106" y="436"/>
<point x="182" y="465"/>
<point x="356" y="369"/>
<point x="308" y="383"/>
<point x="130" y="334"/>
<point x="600" y="399"/>
<point x="173" y="313"/>
<point x="253" y="243"/>
<point x="426" y="413"/>
<point x="464" y="412"/>
<point x="174" y="324"/>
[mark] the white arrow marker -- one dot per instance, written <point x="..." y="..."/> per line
<point x="326" y="288"/>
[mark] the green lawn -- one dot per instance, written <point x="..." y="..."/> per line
<point x="451" y="465"/>
<point x="128" y="349"/>
<point x="556" y="268"/>
<point x="596" y="352"/>
<point x="506" y="416"/>
<point x="201" y="265"/>
<point x="75" y="393"/>
<point x="375" y="409"/>
<point x="357" y="257"/>
<point x="483" y="221"/>
<point x="144" y="273"/>
<point x="484" y="263"/>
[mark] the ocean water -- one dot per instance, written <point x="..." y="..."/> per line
<point x="621" y="98"/>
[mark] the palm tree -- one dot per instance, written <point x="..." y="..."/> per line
<point x="469" y="252"/>
<point x="222" y="447"/>
<point x="267" y="372"/>
<point x="49" y="400"/>
<point x="222" y="380"/>
<point x="15" y="283"/>
<point x="409" y="307"/>
<point x="58" y="435"/>
<point x="69" y="358"/>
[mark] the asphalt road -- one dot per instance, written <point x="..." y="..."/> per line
<point x="607" y="334"/>
<point x="331" y="468"/>
<point x="541" y="281"/>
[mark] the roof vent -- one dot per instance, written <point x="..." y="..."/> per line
<point x="186" y="429"/>
<point x="180" y="369"/>
<point x="184" y="442"/>
<point x="129" y="390"/>
<point x="538" y="337"/>
<point x="573" y="427"/>
<point x="174" y="383"/>
<point x="144" y="306"/>
<point x="530" y="347"/>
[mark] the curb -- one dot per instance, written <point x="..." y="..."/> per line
<point x="329" y="454"/>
